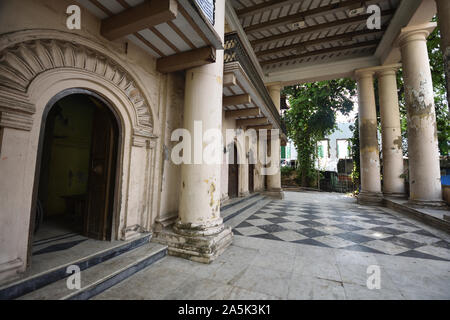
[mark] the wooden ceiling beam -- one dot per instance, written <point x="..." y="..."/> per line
<point x="134" y="19"/>
<point x="237" y="100"/>
<point x="251" y="122"/>
<point x="319" y="27"/>
<point x="302" y="15"/>
<point x="186" y="60"/>
<point x="317" y="41"/>
<point x="260" y="127"/>
<point x="250" y="112"/>
<point x="229" y="80"/>
<point x="324" y="51"/>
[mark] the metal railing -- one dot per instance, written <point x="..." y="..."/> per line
<point x="235" y="52"/>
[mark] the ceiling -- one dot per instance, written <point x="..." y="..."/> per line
<point x="327" y="31"/>
<point x="186" y="32"/>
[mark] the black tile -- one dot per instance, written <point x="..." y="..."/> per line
<point x="442" y="244"/>
<point x="311" y="224"/>
<point x="254" y="217"/>
<point x="244" y="225"/>
<point x="421" y="255"/>
<point x="361" y="248"/>
<point x="354" y="237"/>
<point x="377" y="222"/>
<point x="312" y="242"/>
<point x="277" y="220"/>
<point x="266" y="236"/>
<point x="272" y="228"/>
<point x="347" y="227"/>
<point x="388" y="230"/>
<point x="59" y="247"/>
<point x="410" y="244"/>
<point x="310" y="232"/>
<point x="310" y="216"/>
<point x="237" y="232"/>
<point x="424" y="233"/>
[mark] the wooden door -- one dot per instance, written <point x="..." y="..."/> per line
<point x="98" y="221"/>
<point x="233" y="176"/>
<point x="251" y="176"/>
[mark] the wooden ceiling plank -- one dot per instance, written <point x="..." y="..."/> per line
<point x="181" y="34"/>
<point x="317" y="41"/>
<point x="149" y="44"/>
<point x="186" y="60"/>
<point x="319" y="27"/>
<point x="302" y="15"/>
<point x="143" y="16"/>
<point x="264" y="6"/>
<point x="318" y="52"/>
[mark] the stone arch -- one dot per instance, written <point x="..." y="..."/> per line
<point x="22" y="62"/>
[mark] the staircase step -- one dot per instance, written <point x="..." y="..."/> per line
<point x="102" y="276"/>
<point x="232" y="202"/>
<point x="24" y="286"/>
<point x="241" y="206"/>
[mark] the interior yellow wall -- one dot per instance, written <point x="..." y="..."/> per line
<point x="70" y="152"/>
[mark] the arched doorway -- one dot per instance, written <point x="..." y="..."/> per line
<point x="233" y="174"/>
<point x="77" y="167"/>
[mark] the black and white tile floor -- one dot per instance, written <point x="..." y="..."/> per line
<point x="358" y="228"/>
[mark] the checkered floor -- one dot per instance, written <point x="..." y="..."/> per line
<point x="358" y="228"/>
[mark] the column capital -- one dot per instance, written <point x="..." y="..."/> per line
<point x="388" y="70"/>
<point x="415" y="33"/>
<point x="274" y="86"/>
<point x="364" y="73"/>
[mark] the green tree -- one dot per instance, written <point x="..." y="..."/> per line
<point x="312" y="116"/>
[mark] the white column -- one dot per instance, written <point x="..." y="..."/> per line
<point x="199" y="233"/>
<point x="369" y="154"/>
<point x="274" y="181"/>
<point x="424" y="169"/>
<point x="393" y="183"/>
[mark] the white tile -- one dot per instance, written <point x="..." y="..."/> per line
<point x="334" y="241"/>
<point x="385" y="247"/>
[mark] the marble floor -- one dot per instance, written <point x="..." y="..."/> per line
<point x="284" y="266"/>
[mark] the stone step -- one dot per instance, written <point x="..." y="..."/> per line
<point x="29" y="284"/>
<point x="239" y="207"/>
<point x="235" y="201"/>
<point x="102" y="276"/>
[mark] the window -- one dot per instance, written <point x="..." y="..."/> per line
<point x="343" y="148"/>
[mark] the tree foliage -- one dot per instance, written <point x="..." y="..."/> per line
<point x="312" y="116"/>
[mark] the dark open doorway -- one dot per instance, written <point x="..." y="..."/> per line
<point x="251" y="178"/>
<point x="77" y="170"/>
<point x="233" y="174"/>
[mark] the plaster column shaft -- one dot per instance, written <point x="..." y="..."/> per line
<point x="443" y="11"/>
<point x="274" y="181"/>
<point x="424" y="168"/>
<point x="369" y="154"/>
<point x="199" y="233"/>
<point x="393" y="183"/>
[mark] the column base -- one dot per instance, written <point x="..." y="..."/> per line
<point x="274" y="193"/>
<point x="244" y="194"/>
<point x="439" y="204"/>
<point x="370" y="198"/>
<point x="195" y="245"/>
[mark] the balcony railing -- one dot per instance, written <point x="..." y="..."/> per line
<point x="235" y="52"/>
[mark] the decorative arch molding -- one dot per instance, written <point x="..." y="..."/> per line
<point x="22" y="62"/>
